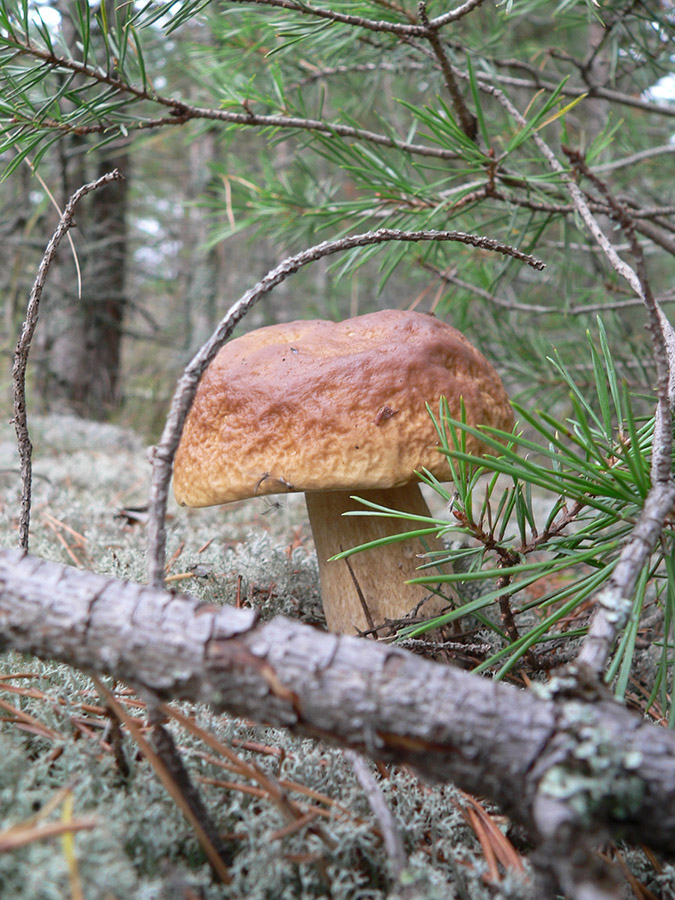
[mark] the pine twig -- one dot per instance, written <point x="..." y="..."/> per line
<point x="402" y="29"/>
<point x="398" y="859"/>
<point x="179" y="112"/>
<point x="467" y="120"/>
<point x="170" y="770"/>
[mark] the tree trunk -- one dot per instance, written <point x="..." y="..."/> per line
<point x="79" y="345"/>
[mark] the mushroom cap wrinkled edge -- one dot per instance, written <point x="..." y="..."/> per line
<point x="314" y="405"/>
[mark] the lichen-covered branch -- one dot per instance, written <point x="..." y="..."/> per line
<point x="560" y="764"/>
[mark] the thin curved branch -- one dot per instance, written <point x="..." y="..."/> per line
<point x="23" y="349"/>
<point x="398" y="858"/>
<point x="400" y="29"/>
<point x="655" y="234"/>
<point x="597" y="92"/>
<point x="187" y="113"/>
<point x="382" y="66"/>
<point x="634" y="158"/>
<point x="536" y="308"/>
<point x="165" y="450"/>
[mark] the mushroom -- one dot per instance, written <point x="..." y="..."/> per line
<point x="335" y="410"/>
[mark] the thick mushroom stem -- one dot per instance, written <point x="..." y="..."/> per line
<point x="380" y="573"/>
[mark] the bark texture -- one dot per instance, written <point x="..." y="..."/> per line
<point x="564" y="766"/>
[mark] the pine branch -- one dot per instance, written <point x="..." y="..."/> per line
<point x="467" y="120"/>
<point x="614" y="601"/>
<point x="536" y="309"/>
<point x="182" y="112"/>
<point x="599" y="92"/>
<point x="629" y="161"/>
<point x="381" y="26"/>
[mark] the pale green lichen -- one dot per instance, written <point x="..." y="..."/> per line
<point x="142" y="848"/>
<point x="597" y="775"/>
<point x="142" y="845"/>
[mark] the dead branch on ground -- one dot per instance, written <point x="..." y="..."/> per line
<point x="570" y="759"/>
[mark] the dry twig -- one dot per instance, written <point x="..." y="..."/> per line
<point x="66" y="222"/>
<point x="393" y="843"/>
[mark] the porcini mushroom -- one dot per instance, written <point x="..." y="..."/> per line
<point x="337" y="409"/>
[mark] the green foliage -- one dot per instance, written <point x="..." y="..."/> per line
<point x="543" y="516"/>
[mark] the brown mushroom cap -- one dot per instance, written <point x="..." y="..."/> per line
<point x="324" y="406"/>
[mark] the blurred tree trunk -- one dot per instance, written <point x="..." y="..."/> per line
<point x="204" y="271"/>
<point x="597" y="74"/>
<point x="80" y="341"/>
<point x="106" y="304"/>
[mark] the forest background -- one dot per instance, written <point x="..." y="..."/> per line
<point x="247" y="133"/>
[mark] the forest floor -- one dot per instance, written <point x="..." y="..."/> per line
<point x="90" y="487"/>
<point x="61" y="763"/>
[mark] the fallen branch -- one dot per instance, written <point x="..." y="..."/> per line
<point x="585" y="766"/>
